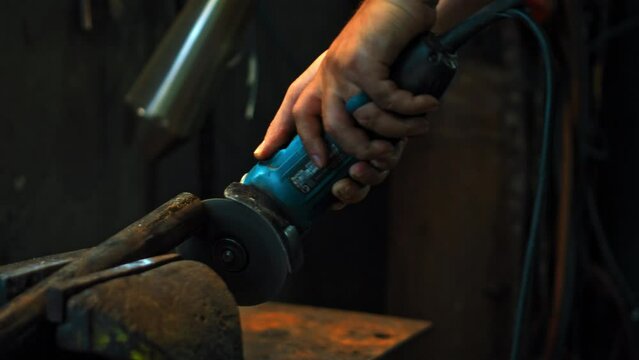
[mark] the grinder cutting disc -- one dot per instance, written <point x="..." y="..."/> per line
<point x="244" y="248"/>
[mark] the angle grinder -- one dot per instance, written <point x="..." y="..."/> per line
<point x="252" y="238"/>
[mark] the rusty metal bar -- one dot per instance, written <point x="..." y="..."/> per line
<point x="17" y="277"/>
<point x="156" y="233"/>
<point x="58" y="293"/>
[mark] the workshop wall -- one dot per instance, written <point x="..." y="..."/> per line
<point x="459" y="202"/>
<point x="70" y="175"/>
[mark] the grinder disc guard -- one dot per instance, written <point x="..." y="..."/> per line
<point x="244" y="248"/>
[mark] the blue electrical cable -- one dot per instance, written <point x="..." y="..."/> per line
<point x="531" y="244"/>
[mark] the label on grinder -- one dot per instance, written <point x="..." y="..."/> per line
<point x="307" y="176"/>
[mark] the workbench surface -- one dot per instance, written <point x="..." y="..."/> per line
<point x="277" y="331"/>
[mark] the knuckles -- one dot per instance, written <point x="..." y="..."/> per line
<point x="387" y="101"/>
<point x="362" y="152"/>
<point x="367" y="120"/>
<point x="330" y="128"/>
<point x="298" y="111"/>
<point x="347" y="63"/>
<point x="293" y="88"/>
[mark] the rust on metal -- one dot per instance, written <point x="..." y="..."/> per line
<point x="58" y="293"/>
<point x="17" y="277"/>
<point x="156" y="233"/>
<point x="180" y="310"/>
<point x="277" y="331"/>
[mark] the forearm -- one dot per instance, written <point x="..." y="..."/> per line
<point x="391" y="24"/>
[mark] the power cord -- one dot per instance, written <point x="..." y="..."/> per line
<point x="542" y="179"/>
<point x="451" y="41"/>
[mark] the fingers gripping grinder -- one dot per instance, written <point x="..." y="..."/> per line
<point x="253" y="234"/>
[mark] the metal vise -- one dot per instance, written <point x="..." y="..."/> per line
<point x="121" y="299"/>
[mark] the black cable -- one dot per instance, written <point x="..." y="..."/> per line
<point x="460" y="34"/>
<point x="541" y="181"/>
<point x="451" y="41"/>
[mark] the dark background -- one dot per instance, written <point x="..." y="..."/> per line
<point x="442" y="240"/>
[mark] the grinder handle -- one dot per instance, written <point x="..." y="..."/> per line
<point x="424" y="67"/>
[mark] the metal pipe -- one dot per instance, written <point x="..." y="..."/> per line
<point x="171" y="91"/>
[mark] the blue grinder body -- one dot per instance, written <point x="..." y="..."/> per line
<point x="298" y="186"/>
<point x="302" y="190"/>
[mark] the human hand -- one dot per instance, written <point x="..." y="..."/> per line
<point x="358" y="60"/>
